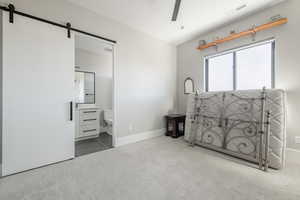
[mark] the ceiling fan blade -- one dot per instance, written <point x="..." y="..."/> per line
<point x="176" y="10"/>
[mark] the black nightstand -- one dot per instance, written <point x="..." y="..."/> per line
<point x="175" y="125"/>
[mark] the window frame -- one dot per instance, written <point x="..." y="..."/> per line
<point x="233" y="52"/>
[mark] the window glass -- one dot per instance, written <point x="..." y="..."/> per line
<point x="242" y="69"/>
<point x="220" y="73"/>
<point x="254" y="67"/>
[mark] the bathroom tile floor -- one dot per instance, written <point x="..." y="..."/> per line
<point x="103" y="142"/>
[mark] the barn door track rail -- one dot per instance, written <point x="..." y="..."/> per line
<point x="11" y="9"/>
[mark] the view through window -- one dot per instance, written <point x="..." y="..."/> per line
<point x="250" y="67"/>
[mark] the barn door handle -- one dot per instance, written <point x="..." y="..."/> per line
<point x="71" y="110"/>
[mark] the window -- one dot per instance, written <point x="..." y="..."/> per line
<point x="250" y="67"/>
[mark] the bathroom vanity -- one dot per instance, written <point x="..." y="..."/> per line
<point x="87" y="122"/>
<point x="87" y="114"/>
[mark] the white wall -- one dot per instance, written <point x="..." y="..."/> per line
<point x="145" y="67"/>
<point x="287" y="63"/>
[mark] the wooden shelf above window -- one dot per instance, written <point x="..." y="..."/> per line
<point x="244" y="33"/>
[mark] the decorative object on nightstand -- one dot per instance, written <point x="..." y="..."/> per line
<point x="175" y="125"/>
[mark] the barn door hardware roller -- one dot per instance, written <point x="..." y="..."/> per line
<point x="69" y="29"/>
<point x="11" y="8"/>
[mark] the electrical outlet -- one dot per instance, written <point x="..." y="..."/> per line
<point x="297" y="139"/>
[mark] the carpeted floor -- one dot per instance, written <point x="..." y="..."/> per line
<point x="157" y="169"/>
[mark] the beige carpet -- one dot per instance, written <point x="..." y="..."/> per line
<point x="158" y="169"/>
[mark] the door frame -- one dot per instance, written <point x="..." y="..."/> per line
<point x="114" y="96"/>
<point x="114" y="85"/>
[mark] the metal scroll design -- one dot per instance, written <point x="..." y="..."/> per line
<point x="230" y="122"/>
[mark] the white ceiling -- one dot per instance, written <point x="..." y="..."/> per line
<point x="154" y="16"/>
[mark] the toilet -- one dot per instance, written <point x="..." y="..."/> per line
<point x="108" y="119"/>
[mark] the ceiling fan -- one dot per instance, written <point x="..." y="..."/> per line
<point x="176" y="10"/>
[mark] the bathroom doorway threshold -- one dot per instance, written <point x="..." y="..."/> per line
<point x="101" y="143"/>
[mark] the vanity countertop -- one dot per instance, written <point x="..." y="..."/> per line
<point x="87" y="106"/>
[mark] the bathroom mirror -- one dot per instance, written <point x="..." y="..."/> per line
<point x="85" y="87"/>
<point x="189" y="87"/>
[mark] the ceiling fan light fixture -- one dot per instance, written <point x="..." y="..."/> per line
<point x="176" y="10"/>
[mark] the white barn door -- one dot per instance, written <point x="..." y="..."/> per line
<point x="38" y="85"/>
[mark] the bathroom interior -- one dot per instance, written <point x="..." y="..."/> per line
<point x="93" y="95"/>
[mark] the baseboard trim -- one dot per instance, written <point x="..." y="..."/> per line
<point x="139" y="137"/>
<point x="294" y="150"/>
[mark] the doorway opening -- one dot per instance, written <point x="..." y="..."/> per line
<point x="94" y="95"/>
